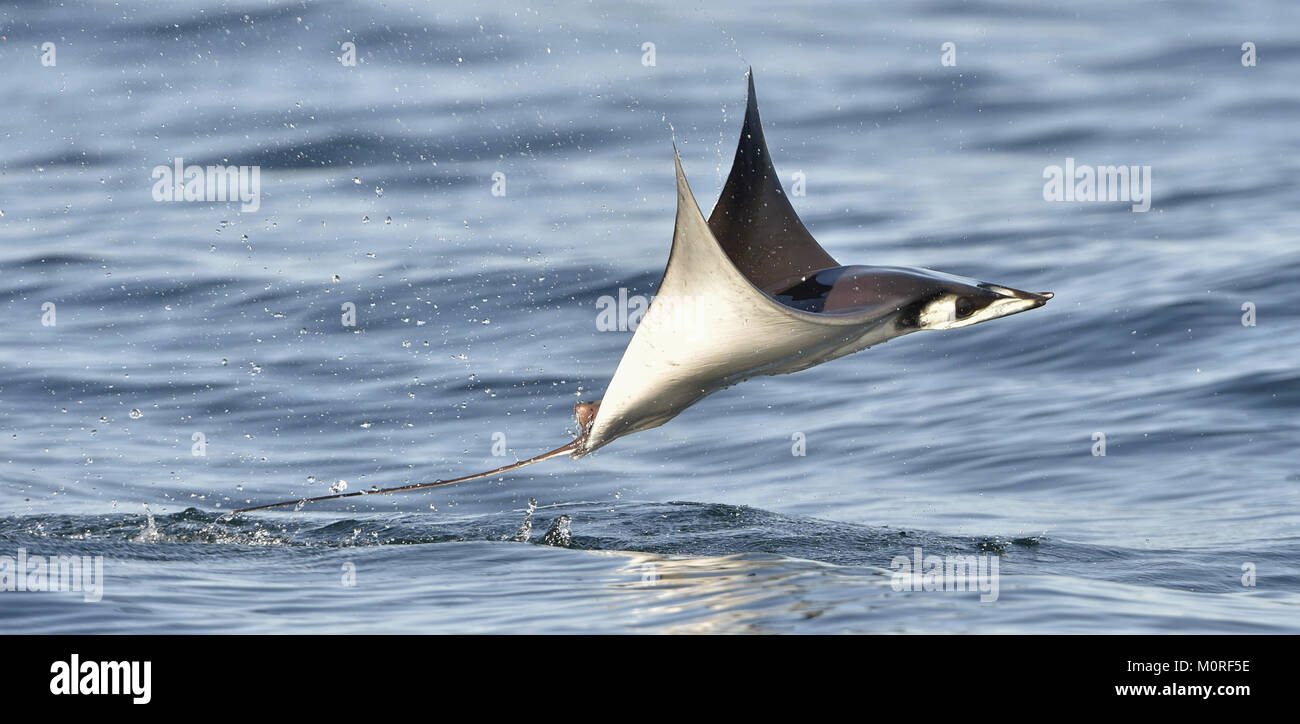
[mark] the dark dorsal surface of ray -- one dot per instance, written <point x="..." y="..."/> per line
<point x="754" y="221"/>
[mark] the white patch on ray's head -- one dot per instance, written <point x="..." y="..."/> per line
<point x="940" y="313"/>
<point x="950" y="311"/>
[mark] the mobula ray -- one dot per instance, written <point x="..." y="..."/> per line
<point x="749" y="292"/>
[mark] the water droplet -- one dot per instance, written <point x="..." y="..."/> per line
<point x="136" y="414"/>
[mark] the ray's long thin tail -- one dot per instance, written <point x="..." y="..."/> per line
<point x="585" y="412"/>
<point x="421" y="486"/>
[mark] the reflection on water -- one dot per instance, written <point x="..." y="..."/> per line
<point x="723" y="593"/>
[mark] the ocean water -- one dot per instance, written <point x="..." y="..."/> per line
<point x="187" y="325"/>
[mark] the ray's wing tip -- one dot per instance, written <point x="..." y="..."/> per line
<point x="751" y="97"/>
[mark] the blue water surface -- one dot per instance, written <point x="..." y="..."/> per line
<point x="181" y="323"/>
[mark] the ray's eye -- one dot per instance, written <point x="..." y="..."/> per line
<point x="965" y="308"/>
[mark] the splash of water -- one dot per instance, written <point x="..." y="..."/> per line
<point x="526" y="528"/>
<point x="148" y="534"/>
<point x="559" y="534"/>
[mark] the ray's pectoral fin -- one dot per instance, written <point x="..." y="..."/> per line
<point x="754" y="221"/>
<point x="708" y="327"/>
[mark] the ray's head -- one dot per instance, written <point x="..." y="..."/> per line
<point x="919" y="299"/>
<point x="945" y="301"/>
